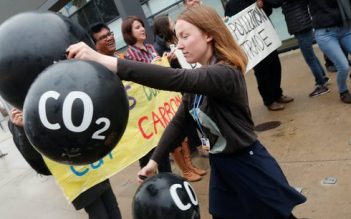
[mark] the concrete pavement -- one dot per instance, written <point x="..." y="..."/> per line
<point x="312" y="142"/>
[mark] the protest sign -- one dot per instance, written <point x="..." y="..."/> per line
<point x="253" y="31"/>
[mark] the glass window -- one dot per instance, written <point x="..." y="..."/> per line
<point x="87" y="16"/>
<point x="215" y="4"/>
<point x="172" y="11"/>
<point x="279" y="24"/>
<point x="152" y="7"/>
<point x="87" y="12"/>
<point x="115" y="26"/>
<point x="107" y="10"/>
<point x="72" y="7"/>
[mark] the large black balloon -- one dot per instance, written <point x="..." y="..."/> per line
<point x="75" y="112"/>
<point x="30" y="42"/>
<point x="165" y="196"/>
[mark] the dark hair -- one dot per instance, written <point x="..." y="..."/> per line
<point x="161" y="29"/>
<point x="96" y="28"/>
<point x="127" y="25"/>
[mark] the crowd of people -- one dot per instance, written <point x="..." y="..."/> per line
<point x="244" y="177"/>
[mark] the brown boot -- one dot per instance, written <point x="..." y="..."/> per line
<point x="187" y="173"/>
<point x="187" y="158"/>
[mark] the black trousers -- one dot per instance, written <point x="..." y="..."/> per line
<point x="104" y="207"/>
<point x="268" y="75"/>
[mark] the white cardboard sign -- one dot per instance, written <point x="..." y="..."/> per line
<point x="253" y="31"/>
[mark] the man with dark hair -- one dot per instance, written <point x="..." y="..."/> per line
<point x="100" y="201"/>
<point x="104" y="39"/>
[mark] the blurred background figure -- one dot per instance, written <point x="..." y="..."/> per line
<point x="165" y="37"/>
<point x="134" y="35"/>
<point x="332" y="37"/>
<point x="268" y="72"/>
<point x="298" y="20"/>
<point x="32" y="156"/>
<point x="98" y="201"/>
<point x="105" y="205"/>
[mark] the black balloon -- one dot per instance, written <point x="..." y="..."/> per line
<point x="165" y="196"/>
<point x="75" y="112"/>
<point x="30" y="42"/>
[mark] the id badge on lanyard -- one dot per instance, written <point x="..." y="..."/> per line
<point x="196" y="109"/>
<point x="205" y="142"/>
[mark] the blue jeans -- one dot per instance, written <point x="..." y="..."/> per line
<point x="305" y="41"/>
<point x="332" y="40"/>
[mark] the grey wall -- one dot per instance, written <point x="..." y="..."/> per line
<point x="9" y="8"/>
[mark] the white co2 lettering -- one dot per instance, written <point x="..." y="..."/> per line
<point x="67" y="113"/>
<point x="189" y="190"/>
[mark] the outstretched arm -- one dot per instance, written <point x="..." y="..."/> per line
<point x="82" y="51"/>
<point x="214" y="80"/>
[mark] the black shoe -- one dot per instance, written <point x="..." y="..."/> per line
<point x="320" y="90"/>
<point x="345" y="97"/>
<point x="326" y="81"/>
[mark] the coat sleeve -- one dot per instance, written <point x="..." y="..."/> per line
<point x="215" y="80"/>
<point x="33" y="157"/>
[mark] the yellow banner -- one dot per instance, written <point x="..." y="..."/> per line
<point x="150" y="111"/>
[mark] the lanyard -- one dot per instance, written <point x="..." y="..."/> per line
<point x="196" y="109"/>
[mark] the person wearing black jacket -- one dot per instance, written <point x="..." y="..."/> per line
<point x="332" y="37"/>
<point x="164" y="37"/>
<point x="246" y="182"/>
<point x="32" y="156"/>
<point x="298" y="20"/>
<point x="98" y="201"/>
<point x="268" y="71"/>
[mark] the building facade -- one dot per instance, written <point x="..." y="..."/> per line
<point x="112" y="12"/>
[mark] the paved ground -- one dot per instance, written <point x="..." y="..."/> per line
<point x="312" y="142"/>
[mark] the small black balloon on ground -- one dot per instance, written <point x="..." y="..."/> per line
<point x="165" y="196"/>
